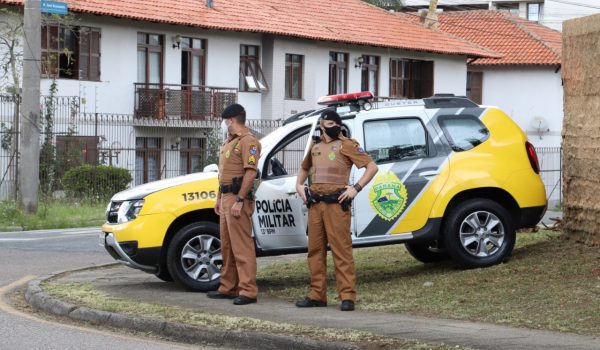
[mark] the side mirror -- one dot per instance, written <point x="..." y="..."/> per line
<point x="211" y="168"/>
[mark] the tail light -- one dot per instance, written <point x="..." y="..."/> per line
<point x="533" y="158"/>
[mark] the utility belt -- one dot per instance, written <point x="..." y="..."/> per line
<point x="326" y="198"/>
<point x="235" y="187"/>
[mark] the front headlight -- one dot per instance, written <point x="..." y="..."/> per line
<point x="129" y="210"/>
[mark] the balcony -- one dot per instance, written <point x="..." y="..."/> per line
<point x="185" y="102"/>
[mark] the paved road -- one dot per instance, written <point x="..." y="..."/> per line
<point x="35" y="253"/>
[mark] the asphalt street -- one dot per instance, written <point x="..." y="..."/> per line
<point x="24" y="255"/>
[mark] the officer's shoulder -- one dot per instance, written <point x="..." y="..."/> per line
<point x="348" y="142"/>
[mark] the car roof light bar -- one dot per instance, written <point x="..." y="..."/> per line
<point x="342" y="99"/>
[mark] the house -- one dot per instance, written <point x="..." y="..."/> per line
<point x="150" y="77"/>
<point x="526" y="81"/>
<point x="550" y="13"/>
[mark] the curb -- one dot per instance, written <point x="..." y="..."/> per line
<point x="37" y="298"/>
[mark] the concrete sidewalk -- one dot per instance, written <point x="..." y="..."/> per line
<point x="131" y="284"/>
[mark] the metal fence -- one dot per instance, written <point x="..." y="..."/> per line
<point x="550" y="159"/>
<point x="149" y="148"/>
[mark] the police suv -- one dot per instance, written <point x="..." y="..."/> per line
<point x="456" y="180"/>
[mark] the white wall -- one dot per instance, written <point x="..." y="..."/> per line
<point x="554" y="13"/>
<point x="449" y="72"/>
<point x="528" y="92"/>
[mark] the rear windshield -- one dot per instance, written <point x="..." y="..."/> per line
<point x="464" y="132"/>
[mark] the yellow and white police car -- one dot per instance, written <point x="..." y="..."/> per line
<point x="456" y="180"/>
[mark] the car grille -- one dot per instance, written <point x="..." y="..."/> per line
<point x="112" y="214"/>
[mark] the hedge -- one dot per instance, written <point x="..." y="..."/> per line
<point x="95" y="183"/>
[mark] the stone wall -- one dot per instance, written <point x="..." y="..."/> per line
<point x="581" y="129"/>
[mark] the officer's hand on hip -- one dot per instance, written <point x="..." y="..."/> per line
<point x="218" y="206"/>
<point x="236" y="209"/>
<point x="348" y="194"/>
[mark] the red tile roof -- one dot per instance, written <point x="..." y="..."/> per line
<point x="521" y="42"/>
<point x="345" y="21"/>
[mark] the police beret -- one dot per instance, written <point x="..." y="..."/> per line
<point x="232" y="111"/>
<point x="331" y="115"/>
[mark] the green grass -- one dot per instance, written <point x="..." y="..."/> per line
<point x="51" y="215"/>
<point x="549" y="283"/>
<point x="85" y="294"/>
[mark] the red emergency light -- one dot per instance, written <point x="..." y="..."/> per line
<point x="345" y="98"/>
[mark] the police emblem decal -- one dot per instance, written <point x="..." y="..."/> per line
<point x="388" y="196"/>
<point x="253" y="150"/>
<point x="227" y="154"/>
<point x="332" y="156"/>
<point x="251" y="160"/>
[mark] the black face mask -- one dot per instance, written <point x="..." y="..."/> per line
<point x="333" y="131"/>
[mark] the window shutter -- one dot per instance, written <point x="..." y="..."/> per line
<point x="84" y="53"/>
<point x="426" y="79"/>
<point x="95" y="55"/>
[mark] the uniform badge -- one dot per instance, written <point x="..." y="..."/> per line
<point x="253" y="150"/>
<point x="236" y="148"/>
<point x="388" y="196"/>
<point x="227" y="154"/>
<point x="332" y="156"/>
<point x="251" y="160"/>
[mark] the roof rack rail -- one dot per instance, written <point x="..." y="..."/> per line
<point x="448" y="101"/>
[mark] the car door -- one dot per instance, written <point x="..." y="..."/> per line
<point x="279" y="220"/>
<point x="410" y="157"/>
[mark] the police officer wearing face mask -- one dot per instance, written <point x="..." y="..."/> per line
<point x="327" y="167"/>
<point x="235" y="205"/>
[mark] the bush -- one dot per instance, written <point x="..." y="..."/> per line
<point x="95" y="183"/>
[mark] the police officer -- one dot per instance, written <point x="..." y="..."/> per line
<point x="235" y="205"/>
<point x="327" y="167"/>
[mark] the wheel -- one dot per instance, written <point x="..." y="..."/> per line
<point x="479" y="233"/>
<point x="163" y="274"/>
<point x="194" y="256"/>
<point x="428" y="252"/>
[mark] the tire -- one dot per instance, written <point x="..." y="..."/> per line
<point x="163" y="274"/>
<point x="479" y="233"/>
<point x="428" y="252"/>
<point x="194" y="257"/>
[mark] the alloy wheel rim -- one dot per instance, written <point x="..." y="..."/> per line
<point x="482" y="234"/>
<point x="201" y="258"/>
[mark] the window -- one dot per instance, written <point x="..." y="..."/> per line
<point x="150" y="60"/>
<point x="147" y="159"/>
<point x="411" y="78"/>
<point x="533" y="11"/>
<point x="72" y="151"/>
<point x="338" y="73"/>
<point x="513" y="8"/>
<point x="71" y="52"/>
<point x="463" y="132"/>
<point x="287" y="156"/>
<point x="370" y="74"/>
<point x="251" y="74"/>
<point x="395" y="139"/>
<point x="192" y="61"/>
<point x="475" y="86"/>
<point x="293" y="76"/>
<point x="191" y="155"/>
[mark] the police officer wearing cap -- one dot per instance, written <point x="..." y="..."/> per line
<point x="327" y="167"/>
<point x="235" y="205"/>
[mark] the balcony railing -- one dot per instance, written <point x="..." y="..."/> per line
<point x="160" y="101"/>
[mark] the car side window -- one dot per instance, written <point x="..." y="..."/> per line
<point x="464" y="132"/>
<point x="395" y="139"/>
<point x="286" y="158"/>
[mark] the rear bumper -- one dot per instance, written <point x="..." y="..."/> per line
<point x="531" y="216"/>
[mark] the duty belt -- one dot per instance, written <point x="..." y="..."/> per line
<point x="235" y="190"/>
<point x="326" y="198"/>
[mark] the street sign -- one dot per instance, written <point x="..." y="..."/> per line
<point x="59" y="8"/>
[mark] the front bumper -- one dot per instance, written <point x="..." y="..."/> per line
<point x="116" y="251"/>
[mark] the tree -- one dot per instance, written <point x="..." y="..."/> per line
<point x="395" y="5"/>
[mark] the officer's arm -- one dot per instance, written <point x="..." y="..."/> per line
<point x="247" y="182"/>
<point x="370" y="171"/>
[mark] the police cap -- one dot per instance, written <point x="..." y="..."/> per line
<point x="331" y="115"/>
<point x="232" y="111"/>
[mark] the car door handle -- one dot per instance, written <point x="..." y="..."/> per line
<point x="429" y="173"/>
